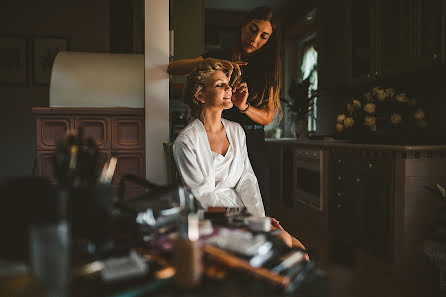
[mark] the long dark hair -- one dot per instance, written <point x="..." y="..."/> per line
<point x="266" y="61"/>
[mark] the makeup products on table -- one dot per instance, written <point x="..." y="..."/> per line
<point x="122" y="268"/>
<point x="259" y="224"/>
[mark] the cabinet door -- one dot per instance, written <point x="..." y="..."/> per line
<point x="377" y="217"/>
<point x="409" y="34"/>
<point x="45" y="164"/>
<point x="130" y="162"/>
<point x="431" y="30"/>
<point x="362" y="43"/>
<point x="128" y="133"/>
<point x="343" y="193"/>
<point x="361" y="200"/>
<point x="96" y="127"/>
<point x="393" y="36"/>
<point x="52" y="128"/>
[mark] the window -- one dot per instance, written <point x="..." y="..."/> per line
<point x="309" y="72"/>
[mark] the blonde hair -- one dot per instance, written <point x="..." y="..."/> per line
<point x="197" y="80"/>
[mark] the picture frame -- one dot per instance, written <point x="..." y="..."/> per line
<point x="44" y="52"/>
<point x="13" y="60"/>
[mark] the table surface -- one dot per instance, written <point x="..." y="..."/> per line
<point x="235" y="284"/>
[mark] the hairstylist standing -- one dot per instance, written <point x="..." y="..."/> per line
<point x="258" y="52"/>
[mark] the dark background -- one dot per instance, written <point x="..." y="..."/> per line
<point x="400" y="44"/>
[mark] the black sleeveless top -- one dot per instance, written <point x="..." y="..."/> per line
<point x="233" y="114"/>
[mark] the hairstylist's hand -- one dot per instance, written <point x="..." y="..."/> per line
<point x="233" y="65"/>
<point x="240" y="95"/>
<point x="230" y="66"/>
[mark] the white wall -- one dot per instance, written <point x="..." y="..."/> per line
<point x="156" y="88"/>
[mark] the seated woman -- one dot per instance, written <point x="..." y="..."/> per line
<point x="210" y="153"/>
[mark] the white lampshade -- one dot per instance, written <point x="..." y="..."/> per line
<point x="81" y="79"/>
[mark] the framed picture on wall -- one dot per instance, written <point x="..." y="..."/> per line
<point x="45" y="50"/>
<point x="13" y="64"/>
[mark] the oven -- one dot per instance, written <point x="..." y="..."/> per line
<point x="308" y="177"/>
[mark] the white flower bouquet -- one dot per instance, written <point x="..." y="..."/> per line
<point x="382" y="115"/>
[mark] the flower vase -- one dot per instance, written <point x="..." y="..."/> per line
<point x="302" y="129"/>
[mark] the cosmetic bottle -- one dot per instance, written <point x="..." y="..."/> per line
<point x="188" y="255"/>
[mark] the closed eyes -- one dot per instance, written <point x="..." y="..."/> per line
<point x="254" y="30"/>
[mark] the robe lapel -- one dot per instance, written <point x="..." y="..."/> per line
<point x="205" y="154"/>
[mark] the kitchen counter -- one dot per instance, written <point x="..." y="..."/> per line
<point x="335" y="143"/>
<point x="369" y="197"/>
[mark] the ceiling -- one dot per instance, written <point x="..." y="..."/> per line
<point x="289" y="10"/>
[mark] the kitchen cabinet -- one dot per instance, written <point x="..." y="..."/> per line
<point x="373" y="204"/>
<point x="408" y="34"/>
<point x="360" y="199"/>
<point x="359" y="40"/>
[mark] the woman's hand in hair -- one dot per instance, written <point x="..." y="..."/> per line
<point x="240" y="95"/>
<point x="231" y="66"/>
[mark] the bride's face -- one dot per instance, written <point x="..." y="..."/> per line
<point x="217" y="93"/>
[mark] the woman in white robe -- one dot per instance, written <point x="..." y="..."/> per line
<point x="218" y="180"/>
<point x="210" y="153"/>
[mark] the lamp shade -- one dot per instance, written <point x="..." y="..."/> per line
<point x="80" y="79"/>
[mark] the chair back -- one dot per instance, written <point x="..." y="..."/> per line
<point x="173" y="177"/>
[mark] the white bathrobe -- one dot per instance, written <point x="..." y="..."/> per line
<point x="217" y="180"/>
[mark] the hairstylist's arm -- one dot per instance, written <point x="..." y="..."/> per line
<point x="183" y="66"/>
<point x="261" y="116"/>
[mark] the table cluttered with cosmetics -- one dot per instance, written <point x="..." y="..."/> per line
<point x="85" y="242"/>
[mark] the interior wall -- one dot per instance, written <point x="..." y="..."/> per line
<point x="188" y="24"/>
<point x="85" y="24"/>
<point x="156" y="88"/>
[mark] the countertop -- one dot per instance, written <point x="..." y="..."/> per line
<point x="336" y="143"/>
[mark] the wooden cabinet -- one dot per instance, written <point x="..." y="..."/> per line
<point x="118" y="132"/>
<point x="361" y="200"/>
<point x="408" y="34"/>
<point x="359" y="39"/>
<point x="96" y="127"/>
<point x="50" y="128"/>
<point x="376" y="209"/>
